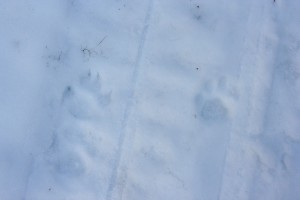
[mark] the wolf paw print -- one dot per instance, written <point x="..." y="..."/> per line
<point x="215" y="100"/>
<point x="85" y="99"/>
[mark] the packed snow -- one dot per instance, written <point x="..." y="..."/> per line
<point x="150" y="100"/>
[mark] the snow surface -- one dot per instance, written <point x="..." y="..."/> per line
<point x="150" y="100"/>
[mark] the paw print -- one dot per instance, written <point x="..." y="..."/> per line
<point x="196" y="9"/>
<point x="213" y="103"/>
<point x="85" y="98"/>
<point x="92" y="83"/>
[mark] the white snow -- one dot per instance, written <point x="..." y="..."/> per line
<point x="149" y="100"/>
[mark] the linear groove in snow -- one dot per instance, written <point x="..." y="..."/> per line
<point x="129" y="105"/>
<point x="253" y="114"/>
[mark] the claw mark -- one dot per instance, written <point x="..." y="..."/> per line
<point x="101" y="41"/>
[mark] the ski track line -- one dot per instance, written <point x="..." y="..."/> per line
<point x="130" y="103"/>
<point x="245" y="76"/>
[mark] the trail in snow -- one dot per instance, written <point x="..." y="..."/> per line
<point x="249" y="68"/>
<point x="182" y="100"/>
<point x="167" y="128"/>
<point x="277" y="142"/>
<point x="129" y="104"/>
<point x="255" y="163"/>
<point x="256" y="69"/>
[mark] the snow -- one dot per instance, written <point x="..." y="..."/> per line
<point x="130" y="99"/>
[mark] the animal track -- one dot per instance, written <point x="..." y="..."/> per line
<point x="213" y="109"/>
<point x="196" y="9"/>
<point x="211" y="103"/>
<point x="70" y="165"/>
<point x="85" y="100"/>
<point x="73" y="143"/>
<point x="92" y="83"/>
